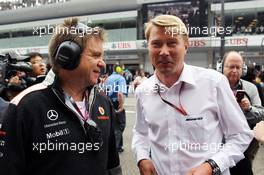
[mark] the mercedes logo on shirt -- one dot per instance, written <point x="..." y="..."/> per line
<point x="52" y="115"/>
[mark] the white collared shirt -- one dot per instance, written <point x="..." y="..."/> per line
<point x="178" y="143"/>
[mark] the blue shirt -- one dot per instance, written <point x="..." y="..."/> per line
<point x="115" y="83"/>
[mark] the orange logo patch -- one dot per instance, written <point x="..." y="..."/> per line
<point x="101" y="110"/>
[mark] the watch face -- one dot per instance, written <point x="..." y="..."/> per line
<point x="216" y="171"/>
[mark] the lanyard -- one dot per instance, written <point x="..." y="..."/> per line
<point x="179" y="109"/>
<point x="86" y="114"/>
<point x="89" y="100"/>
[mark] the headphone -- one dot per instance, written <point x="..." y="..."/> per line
<point x="68" y="53"/>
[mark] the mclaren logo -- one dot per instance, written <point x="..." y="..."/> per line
<point x="52" y="115"/>
<point x="101" y="110"/>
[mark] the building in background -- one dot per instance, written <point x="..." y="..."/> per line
<point x="29" y="29"/>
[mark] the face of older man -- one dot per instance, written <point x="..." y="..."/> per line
<point x="233" y="67"/>
<point x="166" y="51"/>
<point x="91" y="61"/>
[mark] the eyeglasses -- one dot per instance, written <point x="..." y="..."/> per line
<point x="38" y="62"/>
<point x="93" y="132"/>
<point x="234" y="67"/>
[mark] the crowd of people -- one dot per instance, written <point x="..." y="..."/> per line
<point x="71" y="118"/>
<point x="192" y="13"/>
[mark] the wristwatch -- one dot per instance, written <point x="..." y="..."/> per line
<point x="215" y="167"/>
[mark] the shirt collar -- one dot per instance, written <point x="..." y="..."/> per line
<point x="186" y="77"/>
<point x="239" y="85"/>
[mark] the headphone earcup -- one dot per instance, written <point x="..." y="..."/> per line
<point x="244" y="70"/>
<point x="219" y="67"/>
<point x="68" y="55"/>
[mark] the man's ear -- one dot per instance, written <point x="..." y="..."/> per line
<point x="186" y="47"/>
<point x="186" y="44"/>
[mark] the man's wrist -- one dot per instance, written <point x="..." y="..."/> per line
<point x="214" y="166"/>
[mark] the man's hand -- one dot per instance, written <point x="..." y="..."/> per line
<point x="245" y="104"/>
<point x="259" y="131"/>
<point x="14" y="81"/>
<point x="146" y="167"/>
<point x="204" y="169"/>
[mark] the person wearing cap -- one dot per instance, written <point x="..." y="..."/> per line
<point x="116" y="90"/>
<point x="184" y="112"/>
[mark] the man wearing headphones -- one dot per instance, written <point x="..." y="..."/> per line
<point x="248" y="99"/>
<point x="63" y="125"/>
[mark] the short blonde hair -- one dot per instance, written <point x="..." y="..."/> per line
<point x="63" y="32"/>
<point x="172" y="23"/>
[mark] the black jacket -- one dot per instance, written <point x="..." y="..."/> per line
<point x="38" y="118"/>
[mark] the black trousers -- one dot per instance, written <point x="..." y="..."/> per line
<point x="243" y="167"/>
<point x="119" y="128"/>
<point x="120" y="124"/>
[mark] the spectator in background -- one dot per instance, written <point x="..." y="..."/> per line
<point x="140" y="78"/>
<point x="15" y="84"/>
<point x="256" y="77"/>
<point x="250" y="104"/>
<point x="136" y="74"/>
<point x="129" y="78"/>
<point x="39" y="69"/>
<point x="116" y="89"/>
<point x="13" y="77"/>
